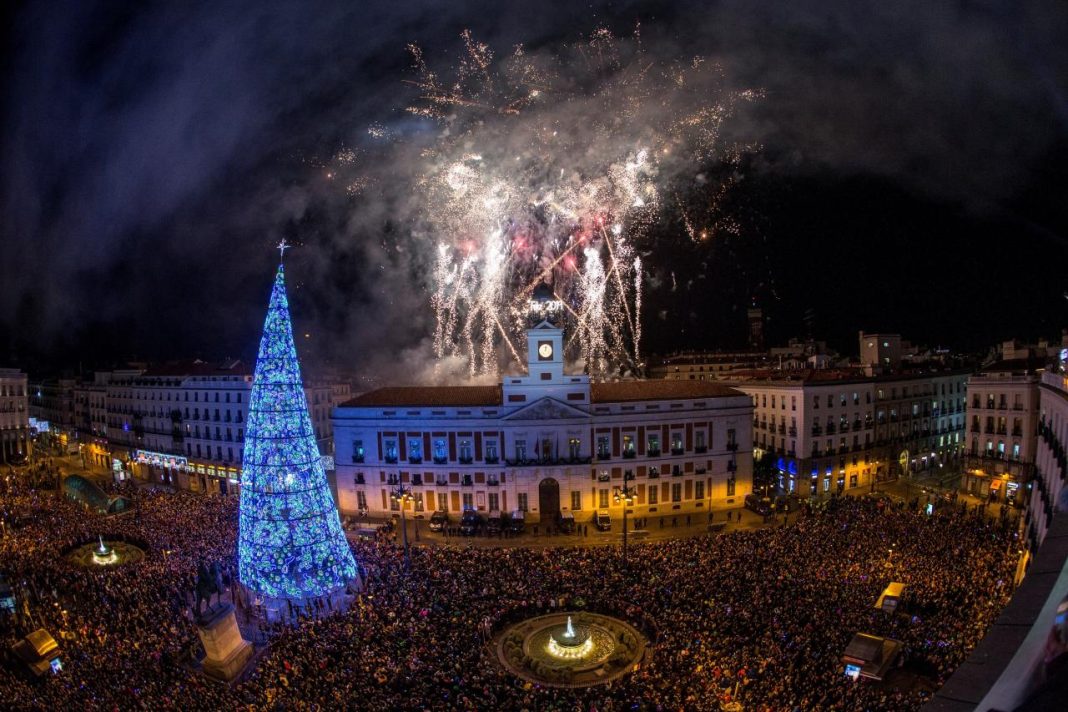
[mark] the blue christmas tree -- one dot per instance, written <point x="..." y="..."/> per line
<point x="290" y="541"/>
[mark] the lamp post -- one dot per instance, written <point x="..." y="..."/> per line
<point x="625" y="494"/>
<point x="402" y="495"/>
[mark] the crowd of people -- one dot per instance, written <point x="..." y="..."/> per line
<point x="762" y="616"/>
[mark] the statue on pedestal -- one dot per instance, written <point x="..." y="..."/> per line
<point x="209" y="581"/>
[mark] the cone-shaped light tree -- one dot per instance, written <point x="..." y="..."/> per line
<point x="290" y="543"/>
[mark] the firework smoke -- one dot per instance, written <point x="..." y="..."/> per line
<point x="551" y="168"/>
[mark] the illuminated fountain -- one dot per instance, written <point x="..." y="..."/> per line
<point x="103" y="555"/>
<point x="568" y="643"/>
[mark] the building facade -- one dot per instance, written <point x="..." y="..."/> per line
<point x="834" y="430"/>
<point x="15" y="441"/>
<point x="184" y="424"/>
<point x="546" y="443"/>
<point x="1048" y="491"/>
<point x="1003" y="408"/>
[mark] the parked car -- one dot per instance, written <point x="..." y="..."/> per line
<point x="493" y="523"/>
<point x="758" y="504"/>
<point x="602" y="521"/>
<point x="517" y="522"/>
<point x="470" y="522"/>
<point x="438" y="521"/>
<point x="565" y="522"/>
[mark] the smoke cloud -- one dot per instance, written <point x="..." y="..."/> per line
<point x="153" y="155"/>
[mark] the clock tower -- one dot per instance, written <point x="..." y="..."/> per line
<point x="545" y="376"/>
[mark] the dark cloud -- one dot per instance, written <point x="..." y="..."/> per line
<point x="151" y="155"/>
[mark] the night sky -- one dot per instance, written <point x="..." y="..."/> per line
<point x="911" y="177"/>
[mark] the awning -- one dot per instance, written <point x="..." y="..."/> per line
<point x="995" y="484"/>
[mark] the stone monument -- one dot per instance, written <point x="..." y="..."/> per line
<point x="226" y="650"/>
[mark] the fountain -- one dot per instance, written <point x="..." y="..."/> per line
<point x="103" y="554"/>
<point x="568" y="643"/>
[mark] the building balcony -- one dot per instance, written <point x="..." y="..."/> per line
<point x="1017" y="432"/>
<point x="856" y="425"/>
<point x="652" y="453"/>
<point x="676" y="471"/>
<point x="441" y="482"/>
<point x="493" y="482"/>
<point x="732" y="466"/>
<point x="360" y="479"/>
<point x="467" y="481"/>
<point x="817" y="430"/>
<point x="816" y="452"/>
<point x="732" y="447"/>
<point x="492" y="460"/>
<point x="700" y="470"/>
<point x="629" y="454"/>
<point x="415" y="460"/>
<point x="654" y="473"/>
<point x="466" y="461"/>
<point x="793" y="431"/>
<point x="440" y="460"/>
<point x="357" y="459"/>
<point x="831" y="430"/>
<point x="391" y="460"/>
<point x="700" y="450"/>
<point x="417" y="480"/>
<point x="677" y="451"/>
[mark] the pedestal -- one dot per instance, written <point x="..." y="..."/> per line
<point x="227" y="652"/>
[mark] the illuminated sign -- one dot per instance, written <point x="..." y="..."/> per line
<point x="161" y="459"/>
<point x="852" y="671"/>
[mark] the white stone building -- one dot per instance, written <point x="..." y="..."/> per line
<point x="834" y="430"/>
<point x="15" y="443"/>
<point x="184" y="424"/>
<point x="1048" y="491"/>
<point x="546" y="442"/>
<point x="1003" y="413"/>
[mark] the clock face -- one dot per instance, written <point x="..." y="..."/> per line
<point x="545" y="350"/>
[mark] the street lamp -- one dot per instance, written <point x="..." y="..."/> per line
<point x="402" y="495"/>
<point x="625" y="494"/>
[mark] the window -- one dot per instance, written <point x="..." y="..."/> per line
<point x="465" y="451"/>
<point x="491" y="451"/>
<point x="602" y="498"/>
<point x="361" y="499"/>
<point x="1016" y="451"/>
<point x="440" y="451"/>
<point x="521" y="501"/>
<point x="602" y="447"/>
<point x="793" y="402"/>
<point x="357" y="448"/>
<point x="676" y="443"/>
<point x="521" y="450"/>
<point x="699" y="490"/>
<point x="391" y="450"/>
<point x="676" y="491"/>
<point x="628" y="446"/>
<point x="468" y="500"/>
<point x="418" y="496"/>
<point x="574" y="448"/>
<point x="730" y="487"/>
<point x="699" y="440"/>
<point x="653" y="492"/>
<point x="773" y="402"/>
<point x="653" y="445"/>
<point x="415" y="450"/>
<point x="494" y="502"/>
<point x="731" y="437"/>
<point x="443" y="501"/>
<point x="576" y="500"/>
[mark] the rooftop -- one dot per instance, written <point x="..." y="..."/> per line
<point x="623" y="391"/>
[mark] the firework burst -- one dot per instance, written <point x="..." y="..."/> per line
<point x="551" y="168"/>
